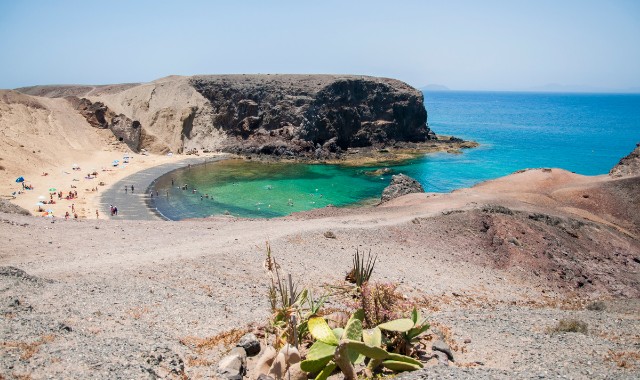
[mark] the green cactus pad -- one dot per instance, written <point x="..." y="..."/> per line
<point x="358" y="314"/>
<point x="320" y="330"/>
<point x="415" y="315"/>
<point x="399" y="366"/>
<point x="372" y="337"/>
<point x="326" y="371"/>
<point x="319" y="355"/>
<point x="366" y="350"/>
<point x="404" y="359"/>
<point x="399" y="325"/>
<point x="353" y="330"/>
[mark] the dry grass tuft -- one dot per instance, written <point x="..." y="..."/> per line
<point x="569" y="326"/>
<point x="624" y="359"/>
<point x="597" y="306"/>
<point x="28" y="349"/>
<point x="224" y="339"/>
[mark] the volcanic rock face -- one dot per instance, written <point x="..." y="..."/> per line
<point x="629" y="165"/>
<point x="100" y="116"/>
<point x="312" y="115"/>
<point x="401" y="185"/>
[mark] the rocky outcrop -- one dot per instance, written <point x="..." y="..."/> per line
<point x="100" y="116"/>
<point x="312" y="115"/>
<point x="303" y="116"/>
<point x="629" y="165"/>
<point x="401" y="185"/>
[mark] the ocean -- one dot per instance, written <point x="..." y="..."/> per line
<point x="583" y="133"/>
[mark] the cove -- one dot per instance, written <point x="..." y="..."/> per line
<point x="584" y="133"/>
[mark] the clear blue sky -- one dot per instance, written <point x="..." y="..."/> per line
<point x="472" y="45"/>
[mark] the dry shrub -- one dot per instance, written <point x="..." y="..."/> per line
<point x="381" y="303"/>
<point x="569" y="325"/>
<point x="29" y="349"/>
<point x="624" y="359"/>
<point x="137" y="312"/>
<point x="329" y="235"/>
<point x="224" y="339"/>
<point x="597" y="306"/>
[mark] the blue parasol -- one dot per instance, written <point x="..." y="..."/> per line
<point x="20" y="179"/>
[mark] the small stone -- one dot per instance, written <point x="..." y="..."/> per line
<point x="234" y="365"/>
<point x="442" y="347"/>
<point x="250" y="343"/>
<point x="467" y="340"/>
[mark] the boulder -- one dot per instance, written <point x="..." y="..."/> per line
<point x="401" y="185"/>
<point x="250" y="343"/>
<point x="234" y="365"/>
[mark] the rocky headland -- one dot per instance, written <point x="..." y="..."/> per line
<point x="311" y="117"/>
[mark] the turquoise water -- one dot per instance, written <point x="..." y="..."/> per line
<point x="584" y="133"/>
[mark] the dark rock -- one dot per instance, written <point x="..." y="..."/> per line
<point x="401" y="185"/>
<point x="234" y="365"/>
<point x="18" y="273"/>
<point x="250" y="343"/>
<point x="443" y="359"/>
<point x="63" y="327"/>
<point x="100" y="116"/>
<point x="441" y="346"/>
<point x="265" y="377"/>
<point x="327" y="113"/>
<point x="164" y="363"/>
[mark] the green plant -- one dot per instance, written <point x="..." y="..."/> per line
<point x="286" y="305"/>
<point x="362" y="269"/>
<point x="312" y="310"/>
<point x="342" y="348"/>
<point x="405" y="332"/>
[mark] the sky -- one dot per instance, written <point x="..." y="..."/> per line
<point x="589" y="45"/>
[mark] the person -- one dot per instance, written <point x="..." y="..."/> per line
<point x="66" y="215"/>
<point x="151" y="194"/>
<point x="97" y="214"/>
<point x="73" y="207"/>
<point x="115" y="210"/>
<point x="125" y="188"/>
<point x="131" y="189"/>
<point x="171" y="181"/>
<point x="75" y="216"/>
<point x="111" y="209"/>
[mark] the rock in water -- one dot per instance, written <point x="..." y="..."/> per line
<point x="401" y="185"/>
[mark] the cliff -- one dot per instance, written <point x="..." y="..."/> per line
<point x="628" y="165"/>
<point x="314" y="116"/>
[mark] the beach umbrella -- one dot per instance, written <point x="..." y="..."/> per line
<point x="20" y="179"/>
<point x="75" y="166"/>
<point x="39" y="204"/>
<point x="52" y="189"/>
<point x="42" y="197"/>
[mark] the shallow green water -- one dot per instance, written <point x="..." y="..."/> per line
<point x="263" y="190"/>
<point x="585" y="133"/>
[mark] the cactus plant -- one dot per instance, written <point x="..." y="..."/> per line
<point x="406" y="331"/>
<point x="345" y="347"/>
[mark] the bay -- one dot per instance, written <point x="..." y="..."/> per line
<point x="583" y="133"/>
